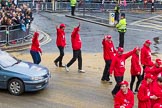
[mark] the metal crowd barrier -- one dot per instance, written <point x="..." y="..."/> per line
<point x="13" y="34"/>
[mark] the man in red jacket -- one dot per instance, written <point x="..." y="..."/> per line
<point x="108" y="54"/>
<point x="135" y="71"/>
<point x="118" y="67"/>
<point x="76" y="45"/>
<point x="146" y="59"/>
<point x="156" y="89"/>
<point x="155" y="69"/>
<point x="61" y="43"/>
<point x="144" y="93"/>
<point x="125" y="97"/>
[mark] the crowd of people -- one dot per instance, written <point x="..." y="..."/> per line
<point x="11" y="14"/>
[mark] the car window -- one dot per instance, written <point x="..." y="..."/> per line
<point x="6" y="60"/>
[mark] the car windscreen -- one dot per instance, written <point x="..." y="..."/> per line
<point x="7" y="60"/>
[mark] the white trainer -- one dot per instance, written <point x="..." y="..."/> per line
<point x="81" y="71"/>
<point x="66" y="68"/>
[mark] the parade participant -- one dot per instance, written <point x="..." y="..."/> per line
<point x="135" y="71"/>
<point x="73" y="5"/>
<point x="146" y="59"/>
<point x="35" y="49"/>
<point x="61" y="43"/>
<point x="118" y="67"/>
<point x="108" y="54"/>
<point x="158" y="105"/>
<point x="157" y="91"/>
<point x="76" y="46"/>
<point x="121" y="26"/>
<point x="124" y="98"/>
<point x="144" y="96"/>
<point x="155" y="69"/>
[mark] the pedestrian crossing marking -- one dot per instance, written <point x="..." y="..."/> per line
<point x="154" y="22"/>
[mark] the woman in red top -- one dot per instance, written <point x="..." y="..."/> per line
<point x="108" y="53"/>
<point x="135" y="71"/>
<point x="61" y="43"/>
<point x="35" y="49"/>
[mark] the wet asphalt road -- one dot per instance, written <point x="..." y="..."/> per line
<point x="73" y="90"/>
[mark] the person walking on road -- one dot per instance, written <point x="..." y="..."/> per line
<point x="76" y="46"/>
<point x="135" y="71"/>
<point x="73" y="5"/>
<point x="125" y="97"/>
<point x="118" y="67"/>
<point x="35" y="49"/>
<point x="121" y="27"/>
<point x="61" y="43"/>
<point x="117" y="12"/>
<point x="146" y="59"/>
<point x="108" y="53"/>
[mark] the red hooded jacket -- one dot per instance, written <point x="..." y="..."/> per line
<point x="153" y="70"/>
<point x="158" y="105"/>
<point x="157" y="91"/>
<point x="75" y="39"/>
<point x="122" y="99"/>
<point x="146" y="56"/>
<point x="108" y="49"/>
<point x="135" y="65"/>
<point x="61" y="40"/>
<point x="35" y="43"/>
<point x="118" y="63"/>
<point x="144" y="95"/>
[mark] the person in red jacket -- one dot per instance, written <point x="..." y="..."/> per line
<point x="118" y="67"/>
<point x="125" y="97"/>
<point x="158" y="105"/>
<point x="61" y="43"/>
<point x="157" y="91"/>
<point x="76" y="46"/>
<point x="135" y="70"/>
<point x="108" y="54"/>
<point x="144" y="93"/>
<point x="155" y="69"/>
<point x="35" y="49"/>
<point x="146" y="59"/>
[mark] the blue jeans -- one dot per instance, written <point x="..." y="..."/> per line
<point x="36" y="57"/>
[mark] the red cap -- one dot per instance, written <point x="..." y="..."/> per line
<point x="108" y="36"/>
<point x="62" y="25"/>
<point x="124" y="82"/>
<point x="120" y="49"/>
<point x="148" y="41"/>
<point x="149" y="76"/>
<point x="158" y="61"/>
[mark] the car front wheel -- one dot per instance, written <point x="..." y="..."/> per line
<point x="16" y="87"/>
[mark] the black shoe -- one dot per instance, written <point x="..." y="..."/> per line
<point x="56" y="64"/>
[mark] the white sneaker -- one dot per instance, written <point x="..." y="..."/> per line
<point x="81" y="71"/>
<point x="66" y="68"/>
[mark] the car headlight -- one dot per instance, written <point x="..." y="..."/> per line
<point x="36" y="78"/>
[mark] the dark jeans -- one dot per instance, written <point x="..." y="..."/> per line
<point x="121" y="39"/>
<point x="72" y="10"/>
<point x="143" y="72"/>
<point x="139" y="77"/>
<point x="106" y="73"/>
<point x="117" y="17"/>
<point x="36" y="57"/>
<point x="76" y="55"/>
<point x="60" y="57"/>
<point x="118" y="79"/>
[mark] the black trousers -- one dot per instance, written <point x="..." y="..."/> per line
<point x="117" y="17"/>
<point x="60" y="57"/>
<point x="143" y="74"/>
<point x="133" y="77"/>
<point x="121" y="39"/>
<point x="76" y="55"/>
<point x="118" y="79"/>
<point x="72" y="10"/>
<point x="106" y="73"/>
